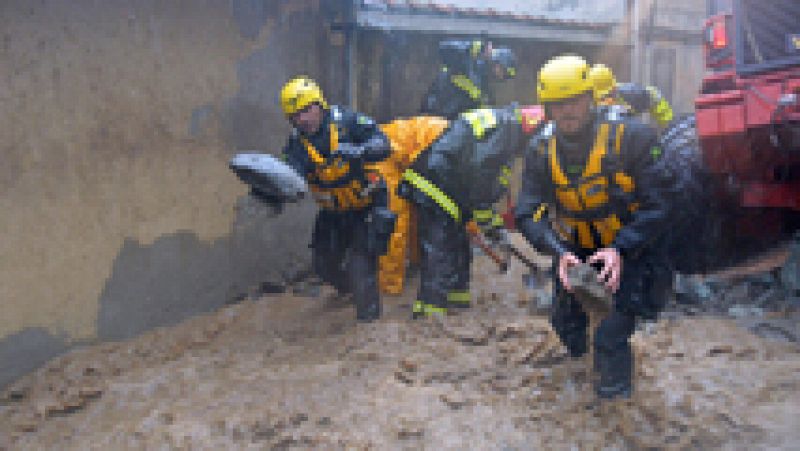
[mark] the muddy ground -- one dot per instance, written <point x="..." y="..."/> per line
<point x="284" y="371"/>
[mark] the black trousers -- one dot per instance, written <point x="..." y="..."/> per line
<point x="343" y="256"/>
<point x="643" y="292"/>
<point x="445" y="257"/>
<point x="463" y="257"/>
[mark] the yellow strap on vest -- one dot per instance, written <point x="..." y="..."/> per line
<point x="347" y="197"/>
<point x="539" y="212"/>
<point x="433" y="191"/>
<point x="595" y="161"/>
<point x="591" y="192"/>
<point x="314" y="154"/>
<point x="466" y="85"/>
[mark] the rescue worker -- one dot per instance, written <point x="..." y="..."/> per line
<point x="599" y="181"/>
<point x="462" y="84"/>
<point x="634" y="98"/>
<point x="454" y="183"/>
<point x="330" y="146"/>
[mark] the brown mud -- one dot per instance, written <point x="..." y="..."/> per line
<point x="287" y="371"/>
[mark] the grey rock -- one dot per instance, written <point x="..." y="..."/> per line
<point x="692" y="289"/>
<point x="738" y="293"/>
<point x="591" y="294"/>
<point x="777" y="329"/>
<point x="530" y="281"/>
<point x="764" y="279"/>
<point x="768" y="296"/>
<point x="543" y="299"/>
<point x="307" y="288"/>
<point x="742" y="311"/>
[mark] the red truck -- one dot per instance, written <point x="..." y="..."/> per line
<point x="748" y="114"/>
<point x="737" y="158"/>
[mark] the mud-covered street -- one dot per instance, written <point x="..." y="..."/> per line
<point x="187" y="189"/>
<point x="285" y="371"/>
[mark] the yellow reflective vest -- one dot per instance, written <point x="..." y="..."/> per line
<point x="333" y="183"/>
<point x="593" y="207"/>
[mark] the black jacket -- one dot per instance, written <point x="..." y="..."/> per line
<point x="638" y="157"/>
<point x="466" y="167"/>
<point x="444" y="98"/>
<point x="354" y="128"/>
<point x="447" y="100"/>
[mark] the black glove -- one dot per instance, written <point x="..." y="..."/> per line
<point x="350" y="151"/>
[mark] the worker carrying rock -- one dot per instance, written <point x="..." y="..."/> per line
<point x="633" y="98"/>
<point x="592" y="192"/>
<point x="453" y="183"/>
<point x="332" y="147"/>
<point x="463" y="82"/>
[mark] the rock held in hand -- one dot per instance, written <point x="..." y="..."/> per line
<point x="592" y="295"/>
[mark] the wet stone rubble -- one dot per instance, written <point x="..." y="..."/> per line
<point x="293" y="371"/>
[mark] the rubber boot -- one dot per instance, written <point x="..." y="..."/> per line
<point x="613" y="357"/>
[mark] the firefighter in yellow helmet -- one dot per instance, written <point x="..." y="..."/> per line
<point x="592" y="192"/>
<point x="632" y="97"/>
<point x="330" y="146"/>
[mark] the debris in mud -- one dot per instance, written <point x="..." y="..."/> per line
<point x="273" y="375"/>
<point x="742" y="311"/>
<point x="408" y="365"/>
<point x="751" y="290"/>
<point x="720" y="349"/>
<point x="472" y="334"/>
<point x="410" y="429"/>
<point x="15" y="394"/>
<point x="455" y="399"/>
<point x="511" y="330"/>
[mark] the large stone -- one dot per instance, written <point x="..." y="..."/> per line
<point x="742" y="311"/>
<point x="591" y="294"/>
<point x="691" y="289"/>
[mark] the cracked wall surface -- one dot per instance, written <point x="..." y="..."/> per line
<point x="117" y="121"/>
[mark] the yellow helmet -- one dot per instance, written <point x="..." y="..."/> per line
<point x="602" y="79"/>
<point x="563" y="77"/>
<point x="300" y="92"/>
